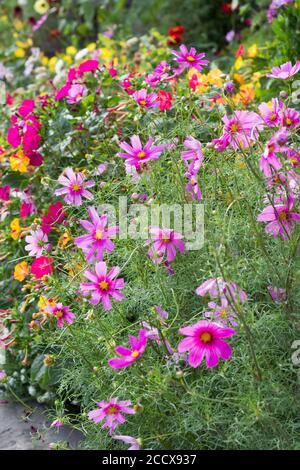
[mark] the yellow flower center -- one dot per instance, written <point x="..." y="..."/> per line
<point x="112" y="410"/>
<point x="143" y="102"/>
<point x="141" y="154"/>
<point x="99" y="234"/>
<point x="271" y="148"/>
<point x="206" y="337"/>
<point x="294" y="160"/>
<point x="103" y="285"/>
<point x="273" y="117"/>
<point x="288" y="121"/>
<point x="223" y="313"/>
<point x="190" y="58"/>
<point x="165" y="238"/>
<point x="59" y="313"/>
<point x="234" y="127"/>
<point x="282" y="215"/>
<point x="76" y="187"/>
<point x="134" y="353"/>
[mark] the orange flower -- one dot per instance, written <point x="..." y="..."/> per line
<point x="19" y="162"/>
<point x="15" y="228"/>
<point x="21" y="271"/>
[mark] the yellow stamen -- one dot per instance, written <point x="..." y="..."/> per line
<point x="59" y="313"/>
<point x="76" y="187"/>
<point x="234" y="127"/>
<point x="143" y="102"/>
<point x="282" y="215"/>
<point x="103" y="285"/>
<point x="190" y="58"/>
<point x="206" y="337"/>
<point x="99" y="234"/>
<point x="112" y="410"/>
<point x="288" y="121"/>
<point x="134" y="353"/>
<point x="141" y="154"/>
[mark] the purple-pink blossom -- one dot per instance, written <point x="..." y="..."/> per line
<point x="138" y="346"/>
<point x="189" y="58"/>
<point x="144" y="99"/>
<point x="98" y="238"/>
<point x="270" y="113"/>
<point x="284" y="71"/>
<point x="223" y="314"/>
<point x="136" y="154"/>
<point x="61" y="313"/>
<point x="135" y="444"/>
<point x="280" y="219"/>
<point x="103" y="285"/>
<point x="74" y="187"/>
<point x="111" y="412"/>
<point x="36" y="242"/>
<point x="216" y="287"/>
<point x="75" y="93"/>
<point x="205" y="339"/>
<point x="165" y="243"/>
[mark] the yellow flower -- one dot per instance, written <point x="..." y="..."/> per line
<point x="24" y="45"/>
<point x="214" y="77"/>
<point x="51" y="63"/>
<point x="256" y="76"/>
<point x="239" y="63"/>
<point x="18" y="25"/>
<point x="252" y="51"/>
<point x="239" y="78"/>
<point x="44" y="59"/>
<point x="91" y="47"/>
<point x="41" y="7"/>
<point x="21" y="271"/>
<point x="71" y="50"/>
<point x="68" y="59"/>
<point x="19" y="53"/>
<point x="64" y="239"/>
<point x="15" y="228"/>
<point x="19" y="162"/>
<point x="106" y="54"/>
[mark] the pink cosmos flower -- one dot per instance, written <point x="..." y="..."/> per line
<point x="271" y="113"/>
<point x="74" y="187"/>
<point x="26" y="107"/>
<point x="290" y="118"/>
<point x="189" y="59"/>
<point x="89" y="65"/>
<point x="62" y="314"/>
<point x="204" y="339"/>
<point x="103" y="285"/>
<point x="97" y="240"/>
<point x="136" y="154"/>
<point x="280" y="220"/>
<point x="144" y="100"/>
<point x="166" y="241"/>
<point x="193" y="153"/>
<point x="240" y="130"/>
<point x="138" y="346"/>
<point x="36" y="242"/>
<point x="216" y="287"/>
<point x="284" y="71"/>
<point x="111" y="411"/>
<point x="135" y="444"/>
<point x="42" y="266"/>
<point x="192" y="186"/>
<point x="162" y="69"/>
<point x="76" y="93"/>
<point x="4" y="193"/>
<point x="222" y="314"/>
<point x="269" y="161"/>
<point x="57" y="423"/>
<point x="2" y="375"/>
<point x="277" y="293"/>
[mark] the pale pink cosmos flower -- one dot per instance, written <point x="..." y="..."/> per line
<point x="269" y="161"/>
<point x="74" y="187"/>
<point x="57" y="423"/>
<point x="135" y="444"/>
<point x="98" y="238"/>
<point x="216" y="287"/>
<point x="144" y="99"/>
<point x="76" y="93"/>
<point x="136" y="154"/>
<point x="223" y="314"/>
<point x="138" y="346"/>
<point x="280" y="219"/>
<point x="165" y="242"/>
<point x="37" y="241"/>
<point x="193" y="153"/>
<point x="189" y="59"/>
<point x="204" y="339"/>
<point x="2" y="375"/>
<point x="103" y="285"/>
<point x="192" y="186"/>
<point x="270" y="113"/>
<point x="61" y="313"/>
<point x="277" y="293"/>
<point x="242" y="128"/>
<point x="111" y="412"/>
<point x="284" y="71"/>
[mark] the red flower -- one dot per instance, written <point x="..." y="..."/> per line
<point x="226" y="8"/>
<point x="42" y="266"/>
<point x="164" y="99"/>
<point x="240" y="51"/>
<point x="55" y="215"/>
<point x="175" y="34"/>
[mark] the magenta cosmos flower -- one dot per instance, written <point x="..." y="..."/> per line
<point x="284" y="71"/>
<point x="240" y="130"/>
<point x="111" y="411"/>
<point x="222" y="314"/>
<point x="193" y="152"/>
<point x="74" y="187"/>
<point x="138" y="346"/>
<point x="144" y="100"/>
<point x="62" y="314"/>
<point x="189" y="59"/>
<point x="103" y="285"/>
<point x="76" y="93"/>
<point x="280" y="220"/>
<point x="270" y="112"/>
<point x="97" y="240"/>
<point x="204" y="339"/>
<point x="37" y="241"/>
<point x="136" y="154"/>
<point x="165" y="242"/>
